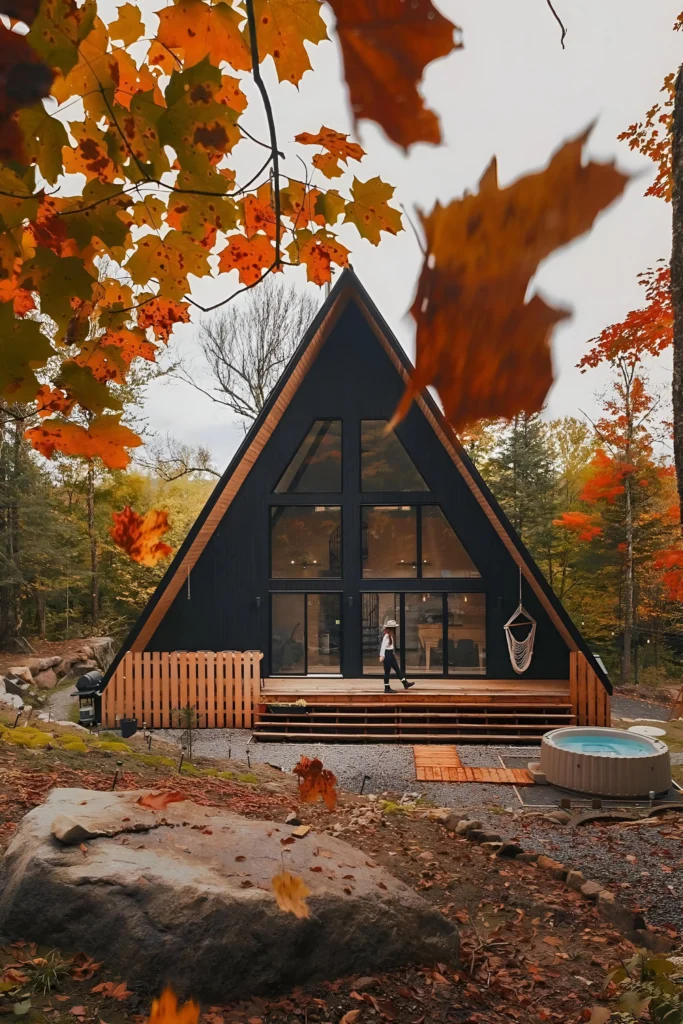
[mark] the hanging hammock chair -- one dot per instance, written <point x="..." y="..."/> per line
<point x="521" y="651"/>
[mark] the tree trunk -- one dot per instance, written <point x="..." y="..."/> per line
<point x="677" y="281"/>
<point x="628" y="589"/>
<point x="92" y="536"/>
<point x="40" y="613"/>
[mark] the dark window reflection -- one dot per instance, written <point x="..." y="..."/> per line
<point x="306" y="542"/>
<point x="389" y="541"/>
<point x="466" y="634"/>
<point x="385" y="464"/>
<point x="443" y="556"/>
<point x="287" y="634"/>
<point x="317" y="463"/>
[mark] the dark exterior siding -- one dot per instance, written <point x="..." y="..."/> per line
<point x="226" y="605"/>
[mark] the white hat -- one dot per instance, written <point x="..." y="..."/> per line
<point x="391" y="624"/>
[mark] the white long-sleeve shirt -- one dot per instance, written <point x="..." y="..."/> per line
<point x="387" y="645"/>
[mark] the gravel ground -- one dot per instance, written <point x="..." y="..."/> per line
<point x="630" y="707"/>
<point x="60" y="702"/>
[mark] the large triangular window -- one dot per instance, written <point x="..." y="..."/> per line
<point x="385" y="464"/>
<point x="443" y="555"/>
<point x="316" y="467"/>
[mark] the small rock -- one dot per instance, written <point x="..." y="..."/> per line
<point x="591" y="889"/>
<point x="440" y="815"/>
<point x="453" y="821"/>
<point x="491" y="846"/>
<point x="651" y="940"/>
<point x="465" y="825"/>
<point x="492" y="837"/>
<point x="292" y="819"/>
<point x="561" y="817"/>
<point x="46" y="680"/>
<point x="527" y="858"/>
<point x="69" y="831"/>
<point x="11" y="700"/>
<point x="575" y="880"/>
<point x="509" y="850"/>
<point x="556" y="869"/>
<point x="475" y="835"/>
<point x="617" y="914"/>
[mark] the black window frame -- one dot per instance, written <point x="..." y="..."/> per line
<point x="306" y="494"/>
<point x="305" y="504"/>
<point x="305" y="594"/>
<point x="418" y="506"/>
<point x="443" y="671"/>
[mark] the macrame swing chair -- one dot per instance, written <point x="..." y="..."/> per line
<point x="521" y="651"/>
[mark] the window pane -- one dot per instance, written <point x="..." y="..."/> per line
<point x="424" y="634"/>
<point x="324" y="632"/>
<point x="287" y="640"/>
<point x="377" y="609"/>
<point x="389" y="541"/>
<point x="317" y="464"/>
<point x="385" y="464"/>
<point x="467" y="634"/>
<point x="443" y="555"/>
<point x="305" y="542"/>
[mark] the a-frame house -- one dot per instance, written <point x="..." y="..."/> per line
<point x="325" y="526"/>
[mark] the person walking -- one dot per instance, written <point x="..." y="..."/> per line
<point x="387" y="655"/>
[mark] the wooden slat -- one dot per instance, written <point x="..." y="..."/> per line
<point x="166" y="704"/>
<point x="156" y="689"/>
<point x="230" y="689"/>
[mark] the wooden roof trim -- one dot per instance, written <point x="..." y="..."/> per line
<point x="291" y="383"/>
<point x="450" y="442"/>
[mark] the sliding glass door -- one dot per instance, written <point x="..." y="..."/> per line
<point x="305" y="634"/>
<point x="438" y="634"/>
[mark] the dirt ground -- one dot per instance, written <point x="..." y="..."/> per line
<point x="531" y="949"/>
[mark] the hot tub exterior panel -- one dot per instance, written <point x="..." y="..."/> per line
<point x="602" y="774"/>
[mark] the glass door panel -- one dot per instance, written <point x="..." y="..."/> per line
<point x="424" y="634"/>
<point x="288" y="628"/>
<point x="377" y="609"/>
<point x="323" y="635"/>
<point x="467" y="634"/>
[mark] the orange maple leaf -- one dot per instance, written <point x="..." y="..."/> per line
<point x="112" y="990"/>
<point x="249" y="256"/>
<point x="165" y="1010"/>
<point x="290" y="894"/>
<point x="259" y="214"/>
<point x="139" y="535"/>
<point x="159" y="801"/>
<point x="106" y="438"/>
<point x="386" y="45"/>
<point x="318" y="253"/>
<point x="479" y="342"/>
<point x="203" y="30"/>
<point x="337" y="148"/>
<point x="282" y="28"/>
<point x="670" y="563"/>
<point x="315" y="782"/>
<point x="162" y="315"/>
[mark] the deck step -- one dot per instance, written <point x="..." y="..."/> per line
<point x="450" y="737"/>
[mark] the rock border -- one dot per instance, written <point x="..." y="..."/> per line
<point x="631" y="924"/>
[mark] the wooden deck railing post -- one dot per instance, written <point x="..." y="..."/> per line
<point x="589" y="700"/>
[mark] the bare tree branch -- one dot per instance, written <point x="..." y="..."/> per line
<point x="247" y="346"/>
<point x="170" y="459"/>
<point x="559" y="22"/>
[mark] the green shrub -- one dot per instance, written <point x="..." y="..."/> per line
<point x="248" y="777"/>
<point x="27" y="736"/>
<point x="116" y="746"/>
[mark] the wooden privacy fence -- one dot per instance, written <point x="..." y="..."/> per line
<point x="222" y="686"/>
<point x="589" y="699"/>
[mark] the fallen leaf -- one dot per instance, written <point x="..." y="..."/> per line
<point x="290" y="894"/>
<point x="316" y="782"/>
<point x="479" y="341"/>
<point x="110" y="990"/>
<point x="159" y="801"/>
<point x="350" y="1017"/>
<point x="77" y="1011"/>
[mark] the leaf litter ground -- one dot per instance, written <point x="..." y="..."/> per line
<point x="531" y="949"/>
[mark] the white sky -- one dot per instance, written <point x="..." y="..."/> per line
<point x="515" y="93"/>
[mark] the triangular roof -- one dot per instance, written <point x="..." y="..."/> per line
<point x="347" y="289"/>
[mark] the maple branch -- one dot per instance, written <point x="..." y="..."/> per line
<point x="419" y="241"/>
<point x="258" y="141"/>
<point x="209" y="309"/>
<point x="559" y="22"/>
<point x="260" y="85"/>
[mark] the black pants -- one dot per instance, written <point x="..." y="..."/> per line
<point x="389" y="663"/>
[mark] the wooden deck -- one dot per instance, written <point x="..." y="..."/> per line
<point x="433" y="711"/>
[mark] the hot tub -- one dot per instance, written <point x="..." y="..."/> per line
<point x="605" y="762"/>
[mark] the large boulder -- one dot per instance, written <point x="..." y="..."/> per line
<point x="46" y="680"/>
<point x="184" y="895"/>
<point x="37" y="665"/>
<point x="22" y="672"/>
